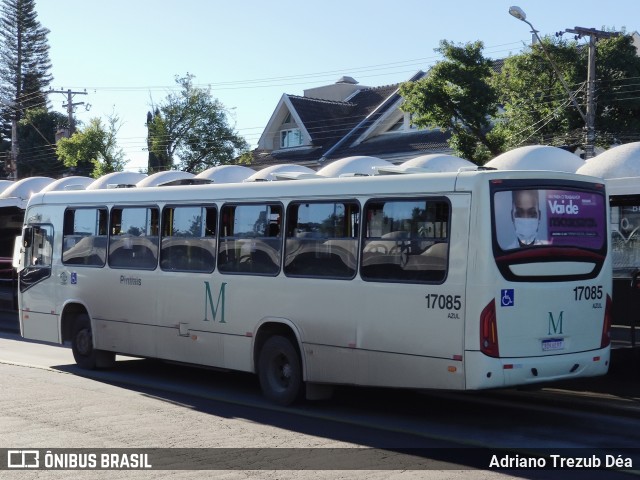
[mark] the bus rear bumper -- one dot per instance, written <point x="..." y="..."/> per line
<point x="487" y="372"/>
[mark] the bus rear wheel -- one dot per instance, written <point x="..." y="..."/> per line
<point x="280" y="371"/>
<point x="85" y="355"/>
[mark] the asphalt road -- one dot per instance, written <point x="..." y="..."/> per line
<point x="147" y="404"/>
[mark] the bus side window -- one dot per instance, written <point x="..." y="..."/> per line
<point x="188" y="239"/>
<point x="133" y="242"/>
<point x="406" y="240"/>
<point x="322" y="239"/>
<point x="250" y="240"/>
<point x="84" y="240"/>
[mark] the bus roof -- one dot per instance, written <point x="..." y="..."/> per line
<point x="431" y="183"/>
<point x="537" y="157"/>
<point x="226" y="173"/>
<point x="116" y="178"/>
<point x="434" y="162"/>
<point x="25" y="188"/>
<point x="623" y="186"/>
<point x="4" y="184"/>
<point x="270" y="173"/>
<point x="69" y="183"/>
<point x="615" y="163"/>
<point x="160" y="178"/>
<point x="357" y="165"/>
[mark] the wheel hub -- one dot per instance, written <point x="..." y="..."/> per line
<point x="286" y="371"/>
<point x="83" y="342"/>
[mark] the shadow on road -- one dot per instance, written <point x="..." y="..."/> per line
<point x="344" y="418"/>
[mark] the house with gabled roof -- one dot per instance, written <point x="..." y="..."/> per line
<point x="347" y="119"/>
<point x="341" y="120"/>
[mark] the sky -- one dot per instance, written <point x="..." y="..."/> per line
<point x="126" y="54"/>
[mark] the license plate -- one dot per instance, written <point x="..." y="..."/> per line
<point x="553" y="344"/>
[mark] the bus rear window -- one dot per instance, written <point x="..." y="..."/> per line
<point x="530" y="217"/>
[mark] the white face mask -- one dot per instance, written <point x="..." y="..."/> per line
<point x="526" y="229"/>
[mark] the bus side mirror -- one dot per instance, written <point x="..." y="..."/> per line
<point x="27" y="237"/>
<point x="18" y="254"/>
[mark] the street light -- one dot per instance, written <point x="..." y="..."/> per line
<point x="518" y="13"/>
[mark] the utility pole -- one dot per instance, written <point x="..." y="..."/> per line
<point x="13" y="164"/>
<point x="70" y="106"/>
<point x="594" y="35"/>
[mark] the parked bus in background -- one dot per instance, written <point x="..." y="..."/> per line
<point x="620" y="168"/>
<point x="624" y="194"/>
<point x="13" y="201"/>
<point x="464" y="280"/>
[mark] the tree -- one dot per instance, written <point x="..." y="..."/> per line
<point x="37" y="143"/>
<point x="617" y="101"/>
<point x="24" y="60"/>
<point x="93" y="150"/>
<point x="159" y="160"/>
<point x="457" y="95"/>
<point x="192" y="130"/>
<point x="538" y="110"/>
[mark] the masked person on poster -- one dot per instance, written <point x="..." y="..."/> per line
<point x="525" y="214"/>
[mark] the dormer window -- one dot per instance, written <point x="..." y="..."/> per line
<point x="404" y="125"/>
<point x="290" y="138"/>
<point x="398" y="126"/>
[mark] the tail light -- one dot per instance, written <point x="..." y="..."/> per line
<point x="489" y="330"/>
<point x="606" y="327"/>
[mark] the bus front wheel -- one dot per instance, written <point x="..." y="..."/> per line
<point x="84" y="354"/>
<point x="280" y="371"/>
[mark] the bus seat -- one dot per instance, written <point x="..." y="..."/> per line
<point x="134" y="255"/>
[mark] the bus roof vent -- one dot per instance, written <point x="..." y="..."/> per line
<point x="400" y="169"/>
<point x="353" y="174"/>
<point x="272" y="172"/>
<point x="186" y="181"/>
<point x="116" y="178"/>
<point x="476" y="169"/>
<point x="120" y="185"/>
<point x="296" y="176"/>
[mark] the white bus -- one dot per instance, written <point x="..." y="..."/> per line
<point x="624" y="196"/>
<point x="421" y="281"/>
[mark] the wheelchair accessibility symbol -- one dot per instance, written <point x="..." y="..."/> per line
<point x="507" y="297"/>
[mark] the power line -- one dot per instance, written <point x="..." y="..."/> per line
<point x="594" y="35"/>
<point x="70" y="106"/>
<point x="255" y="83"/>
<point x="268" y="82"/>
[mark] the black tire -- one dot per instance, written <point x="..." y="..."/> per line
<point x="84" y="354"/>
<point x="280" y="371"/>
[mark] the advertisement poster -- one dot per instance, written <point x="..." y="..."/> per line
<point x="531" y="217"/>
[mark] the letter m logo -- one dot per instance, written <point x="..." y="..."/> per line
<point x="219" y="305"/>
<point x="555" y="326"/>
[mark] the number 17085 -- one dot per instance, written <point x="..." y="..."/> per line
<point x="443" y="302"/>
<point x="593" y="292"/>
